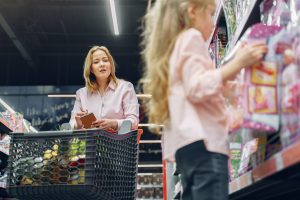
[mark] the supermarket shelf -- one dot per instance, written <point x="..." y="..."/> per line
<point x="148" y="174"/>
<point x="4" y="127"/>
<point x="150" y="141"/>
<point x="216" y="20"/>
<point x="149" y="199"/>
<point x="149" y="186"/>
<point x="276" y="178"/>
<point x="249" y="18"/>
<point x="150" y="165"/>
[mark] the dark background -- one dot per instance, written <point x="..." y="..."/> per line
<point x="44" y="42"/>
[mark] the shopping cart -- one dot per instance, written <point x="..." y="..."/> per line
<point x="73" y="165"/>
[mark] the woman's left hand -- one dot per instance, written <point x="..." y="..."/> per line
<point x="105" y="124"/>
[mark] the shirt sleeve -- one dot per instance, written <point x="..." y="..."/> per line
<point x="76" y="109"/>
<point x="200" y="79"/>
<point x="130" y="106"/>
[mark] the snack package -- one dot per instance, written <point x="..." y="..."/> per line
<point x="235" y="159"/>
<point x="248" y="149"/>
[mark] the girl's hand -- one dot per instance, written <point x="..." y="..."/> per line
<point x="250" y="54"/>
<point x="79" y="124"/>
<point x="106" y="124"/>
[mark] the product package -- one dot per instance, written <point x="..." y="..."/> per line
<point x="261" y="93"/>
<point x="230" y="16"/>
<point x="290" y="86"/>
<point x="248" y="149"/>
<point x="235" y="159"/>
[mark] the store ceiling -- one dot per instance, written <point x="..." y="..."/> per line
<point x="44" y="42"/>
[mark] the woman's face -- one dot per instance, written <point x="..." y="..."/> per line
<point x="101" y="66"/>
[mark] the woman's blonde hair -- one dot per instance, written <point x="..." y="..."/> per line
<point x="164" y="21"/>
<point x="89" y="77"/>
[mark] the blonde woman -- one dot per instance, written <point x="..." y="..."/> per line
<point x="110" y="99"/>
<point x="186" y="93"/>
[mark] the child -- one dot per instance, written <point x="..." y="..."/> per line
<point x="186" y="92"/>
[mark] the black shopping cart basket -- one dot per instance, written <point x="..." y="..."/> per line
<point x="83" y="165"/>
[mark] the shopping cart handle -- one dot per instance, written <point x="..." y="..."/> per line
<point x="65" y="127"/>
<point x="125" y="127"/>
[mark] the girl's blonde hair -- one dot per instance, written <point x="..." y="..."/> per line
<point x="164" y="21"/>
<point x="89" y="77"/>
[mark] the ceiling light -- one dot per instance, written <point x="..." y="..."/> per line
<point x="114" y="16"/>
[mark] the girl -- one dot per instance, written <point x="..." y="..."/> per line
<point x="110" y="99"/>
<point x="186" y="92"/>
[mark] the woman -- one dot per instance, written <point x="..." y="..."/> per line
<point x="110" y="99"/>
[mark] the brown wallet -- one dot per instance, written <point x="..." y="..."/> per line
<point x="87" y="120"/>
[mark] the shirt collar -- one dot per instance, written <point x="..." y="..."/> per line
<point x="112" y="85"/>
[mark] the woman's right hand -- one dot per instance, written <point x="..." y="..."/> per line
<point x="250" y="54"/>
<point x="79" y="124"/>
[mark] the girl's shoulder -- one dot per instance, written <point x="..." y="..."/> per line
<point x="190" y="39"/>
<point x="190" y="33"/>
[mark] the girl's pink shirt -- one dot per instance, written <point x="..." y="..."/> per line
<point x="196" y="104"/>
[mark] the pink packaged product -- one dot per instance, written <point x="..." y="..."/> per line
<point x="290" y="87"/>
<point x="275" y="12"/>
<point x="235" y="104"/>
<point x="261" y="93"/>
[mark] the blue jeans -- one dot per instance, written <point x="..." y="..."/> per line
<point x="204" y="174"/>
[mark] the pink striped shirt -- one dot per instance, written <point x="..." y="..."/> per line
<point x="118" y="102"/>
<point x="197" y="107"/>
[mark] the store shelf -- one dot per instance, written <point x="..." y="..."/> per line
<point x="275" y="178"/>
<point x="4" y="127"/>
<point x="250" y="17"/>
<point x="149" y="199"/>
<point x="150" y="141"/>
<point x="216" y="20"/>
<point x="149" y="186"/>
<point x="240" y="183"/>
